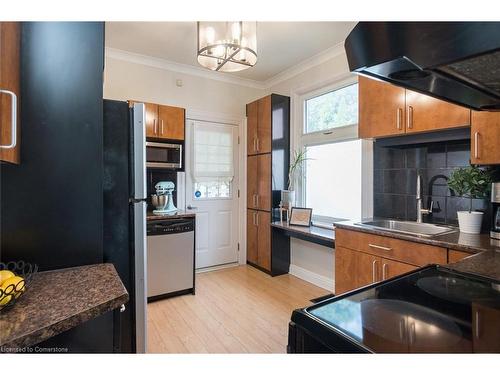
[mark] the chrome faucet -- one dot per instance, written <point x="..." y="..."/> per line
<point x="421" y="211"/>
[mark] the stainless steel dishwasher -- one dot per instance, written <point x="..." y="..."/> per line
<point x="170" y="261"/>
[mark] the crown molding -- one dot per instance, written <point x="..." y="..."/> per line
<point x="156" y="62"/>
<point x="307" y="64"/>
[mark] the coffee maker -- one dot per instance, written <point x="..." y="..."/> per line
<point x="495" y="211"/>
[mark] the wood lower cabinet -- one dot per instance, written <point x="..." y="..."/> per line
<point x="364" y="258"/>
<point x="259" y="238"/>
<point x="485" y="138"/>
<point x="485" y="328"/>
<point x="353" y="269"/>
<point x="10" y="45"/>
<point x="381" y="109"/>
<point x="425" y="113"/>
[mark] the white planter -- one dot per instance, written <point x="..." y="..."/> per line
<point x="470" y="222"/>
<point x="288" y="198"/>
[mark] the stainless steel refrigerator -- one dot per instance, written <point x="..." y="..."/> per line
<point x="125" y="212"/>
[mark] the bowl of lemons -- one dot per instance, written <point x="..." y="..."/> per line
<point x="15" y="279"/>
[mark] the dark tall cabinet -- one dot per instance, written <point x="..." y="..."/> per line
<point x="268" y="160"/>
<point x="52" y="203"/>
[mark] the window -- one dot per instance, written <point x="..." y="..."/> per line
<point x="333" y="180"/>
<point x="213" y="158"/>
<point x="336" y="169"/>
<point x="332" y="110"/>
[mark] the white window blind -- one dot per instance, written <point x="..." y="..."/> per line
<point x="212" y="152"/>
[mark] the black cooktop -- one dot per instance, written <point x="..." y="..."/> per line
<point x="431" y="310"/>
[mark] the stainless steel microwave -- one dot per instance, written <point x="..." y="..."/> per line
<point x="163" y="155"/>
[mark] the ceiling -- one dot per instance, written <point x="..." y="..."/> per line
<point x="280" y="45"/>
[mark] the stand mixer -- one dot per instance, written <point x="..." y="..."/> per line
<point x="163" y="200"/>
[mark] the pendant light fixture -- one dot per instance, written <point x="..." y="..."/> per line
<point x="227" y="46"/>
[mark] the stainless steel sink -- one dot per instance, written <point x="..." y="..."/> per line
<point x="409" y="227"/>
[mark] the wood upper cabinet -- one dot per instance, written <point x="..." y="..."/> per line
<point x="425" y="113"/>
<point x="10" y="42"/>
<point x="171" y="122"/>
<point x="259" y="238"/>
<point x="259" y="126"/>
<point x="164" y="121"/>
<point x="252" y="123"/>
<point x="381" y="109"/>
<point x="485" y="138"/>
<point x="264" y="125"/>
<point x="388" y="110"/>
<point x="252" y="181"/>
<point x="259" y="182"/>
<point x="151" y="119"/>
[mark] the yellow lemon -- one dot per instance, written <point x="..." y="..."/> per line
<point x="4" y="298"/>
<point x="5" y="274"/>
<point x="14" y="284"/>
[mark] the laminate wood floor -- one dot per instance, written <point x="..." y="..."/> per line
<point x="235" y="310"/>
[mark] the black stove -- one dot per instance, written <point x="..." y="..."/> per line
<point x="430" y="310"/>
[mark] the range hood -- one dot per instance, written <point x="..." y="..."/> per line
<point x="455" y="61"/>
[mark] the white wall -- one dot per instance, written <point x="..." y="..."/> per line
<point x="130" y="80"/>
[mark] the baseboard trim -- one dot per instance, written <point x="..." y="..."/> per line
<point x="313" y="278"/>
<point x="216" y="268"/>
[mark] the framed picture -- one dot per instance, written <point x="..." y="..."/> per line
<point x="301" y="216"/>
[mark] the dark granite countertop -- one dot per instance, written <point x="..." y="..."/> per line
<point x="323" y="234"/>
<point x="486" y="264"/>
<point x="471" y="243"/>
<point x="60" y="300"/>
<point x="179" y="214"/>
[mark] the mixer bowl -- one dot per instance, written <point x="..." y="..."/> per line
<point x="159" y="201"/>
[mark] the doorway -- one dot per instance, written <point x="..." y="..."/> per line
<point x="212" y="175"/>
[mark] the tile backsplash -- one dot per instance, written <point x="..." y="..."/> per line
<point x="395" y="176"/>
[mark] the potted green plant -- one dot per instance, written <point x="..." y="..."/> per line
<point x="295" y="171"/>
<point x="473" y="183"/>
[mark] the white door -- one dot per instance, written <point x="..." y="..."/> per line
<point x="214" y="194"/>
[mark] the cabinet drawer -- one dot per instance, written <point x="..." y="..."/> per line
<point x="391" y="248"/>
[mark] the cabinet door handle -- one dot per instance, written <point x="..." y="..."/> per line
<point x="398" y="118"/>
<point x="13" y="119"/>
<point x="384" y="271"/>
<point x="155" y="130"/>
<point x="411" y="333"/>
<point x="257" y="216"/>
<point x="477" y="334"/>
<point x="410" y="117"/>
<point x="380" y="247"/>
<point x="402" y="329"/>
<point x="374" y="271"/>
<point x="476" y="145"/>
<point x="257" y="200"/>
<point x="161" y="131"/>
<point x="254" y="200"/>
<point x="258" y="144"/>
<point x="254" y="146"/>
<point x="254" y="222"/>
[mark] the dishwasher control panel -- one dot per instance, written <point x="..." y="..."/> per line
<point x="169" y="226"/>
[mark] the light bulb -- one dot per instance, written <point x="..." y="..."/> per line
<point x="236" y="31"/>
<point x="210" y="35"/>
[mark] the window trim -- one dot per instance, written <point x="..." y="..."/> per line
<point x="323" y="91"/>
<point x="300" y="139"/>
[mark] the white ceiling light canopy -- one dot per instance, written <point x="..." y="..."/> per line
<point x="227" y="46"/>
